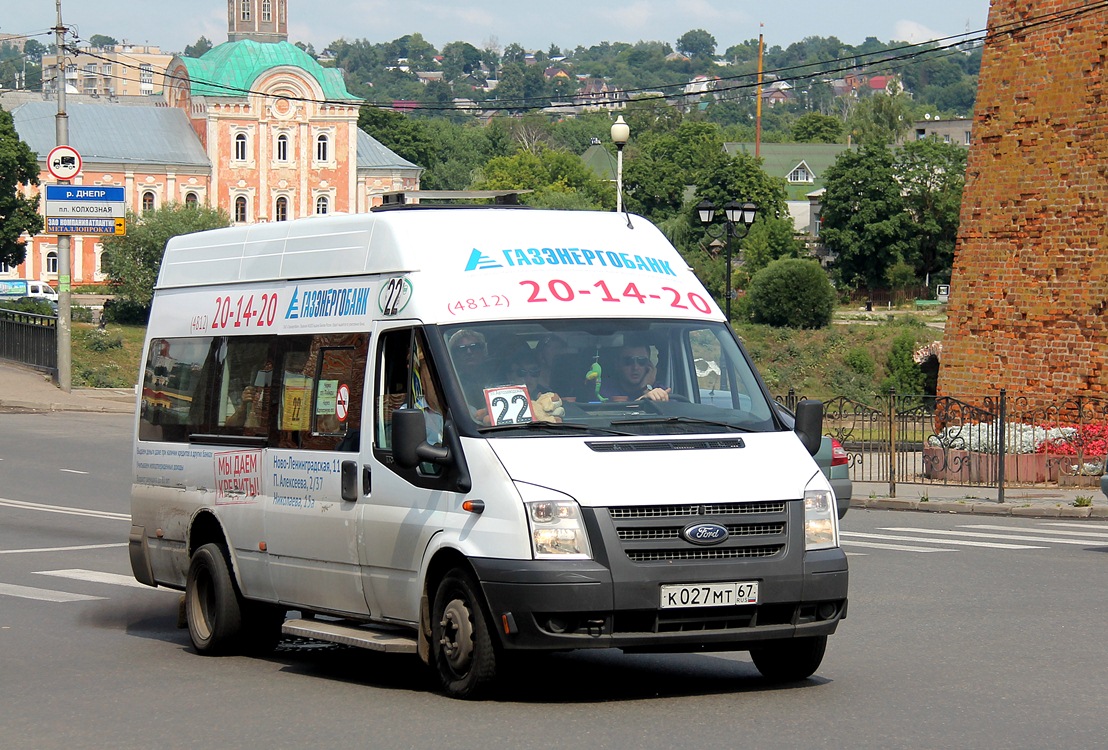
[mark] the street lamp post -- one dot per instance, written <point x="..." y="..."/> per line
<point x="620" y="133"/>
<point x="735" y="214"/>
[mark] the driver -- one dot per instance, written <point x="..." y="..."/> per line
<point x="635" y="376"/>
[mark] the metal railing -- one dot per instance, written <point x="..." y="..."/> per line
<point x="1059" y="441"/>
<point x="29" y="339"/>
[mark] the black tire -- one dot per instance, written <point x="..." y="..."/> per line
<point x="213" y="606"/>
<point x="790" y="660"/>
<point x="261" y="627"/>
<point x="462" y="651"/>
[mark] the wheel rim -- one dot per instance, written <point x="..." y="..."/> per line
<point x="457" y="635"/>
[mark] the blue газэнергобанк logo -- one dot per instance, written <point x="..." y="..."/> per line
<point x="704" y="533"/>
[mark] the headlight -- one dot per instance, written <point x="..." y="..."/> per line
<point x="821" y="520"/>
<point x="557" y="530"/>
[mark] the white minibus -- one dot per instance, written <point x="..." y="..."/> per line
<point x="471" y="433"/>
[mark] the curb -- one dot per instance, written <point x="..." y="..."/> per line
<point x="1019" y="510"/>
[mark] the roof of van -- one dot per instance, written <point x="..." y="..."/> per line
<point x="442" y="239"/>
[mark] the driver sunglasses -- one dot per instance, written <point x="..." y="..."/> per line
<point x="640" y="361"/>
<point x="525" y="372"/>
<point x="469" y="348"/>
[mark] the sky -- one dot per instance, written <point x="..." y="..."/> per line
<point x="535" y="26"/>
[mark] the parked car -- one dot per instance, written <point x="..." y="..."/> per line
<point x="834" y="462"/>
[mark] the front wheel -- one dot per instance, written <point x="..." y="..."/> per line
<point x="212" y="604"/>
<point x="462" y="649"/>
<point x="789" y="660"/>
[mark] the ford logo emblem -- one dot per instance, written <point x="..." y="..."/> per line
<point x="704" y="533"/>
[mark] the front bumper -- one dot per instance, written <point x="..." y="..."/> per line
<point x="614" y="601"/>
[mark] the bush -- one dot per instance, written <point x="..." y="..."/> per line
<point x="859" y="360"/>
<point x="126" y="312"/>
<point x="99" y="340"/>
<point x="79" y="314"/>
<point x="791" y="293"/>
<point x="32" y="305"/>
<point x="904" y="374"/>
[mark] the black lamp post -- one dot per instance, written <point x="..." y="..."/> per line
<point x="735" y="214"/>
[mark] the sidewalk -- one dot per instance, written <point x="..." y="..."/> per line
<point x="27" y="389"/>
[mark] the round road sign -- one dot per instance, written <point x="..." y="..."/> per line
<point x="342" y="402"/>
<point x="63" y="162"/>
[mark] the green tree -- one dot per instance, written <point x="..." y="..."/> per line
<point x="879" y="119"/>
<point x="863" y="218"/>
<point x="18" y="215"/>
<point x="100" y="40"/>
<point x="459" y="59"/>
<point x="198" y="48"/>
<point x="697" y="43"/>
<point x="791" y="293"/>
<point x="813" y="127"/>
<point x="551" y="173"/>
<point x="132" y="261"/>
<point x="931" y="175"/>
<point x="406" y="136"/>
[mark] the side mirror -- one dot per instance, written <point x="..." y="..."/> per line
<point x="809" y="424"/>
<point x="409" y="440"/>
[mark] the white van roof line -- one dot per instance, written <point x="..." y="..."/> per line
<point x="319" y="247"/>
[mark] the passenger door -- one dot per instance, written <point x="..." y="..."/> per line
<point x="311" y="531"/>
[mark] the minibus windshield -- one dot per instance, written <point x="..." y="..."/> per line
<point x="602" y="376"/>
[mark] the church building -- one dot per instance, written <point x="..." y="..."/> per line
<point x="255" y="126"/>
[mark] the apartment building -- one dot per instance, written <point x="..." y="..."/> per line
<point x="118" y="70"/>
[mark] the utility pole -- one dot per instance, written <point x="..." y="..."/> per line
<point x="61" y="124"/>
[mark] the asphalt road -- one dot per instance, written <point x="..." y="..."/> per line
<point x="963" y="631"/>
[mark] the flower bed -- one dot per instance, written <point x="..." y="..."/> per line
<point x="1034" y="454"/>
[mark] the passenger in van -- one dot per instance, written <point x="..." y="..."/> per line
<point x="523" y="368"/>
<point x="470" y="355"/>
<point x="636" y="376"/>
<point x="550" y="347"/>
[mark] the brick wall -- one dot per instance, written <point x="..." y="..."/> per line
<point x="1029" y="291"/>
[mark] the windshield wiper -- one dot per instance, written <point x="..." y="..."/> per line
<point x="681" y="420"/>
<point x="551" y="426"/>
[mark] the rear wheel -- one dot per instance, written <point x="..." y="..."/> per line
<point x="789" y="660"/>
<point x="462" y="648"/>
<point x="213" y="607"/>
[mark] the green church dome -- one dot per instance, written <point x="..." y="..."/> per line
<point x="231" y="69"/>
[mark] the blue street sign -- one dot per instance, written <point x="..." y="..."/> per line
<point x="85" y="193"/>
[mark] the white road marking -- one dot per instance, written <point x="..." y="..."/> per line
<point x="61" y="549"/>
<point x="95" y="576"/>
<point x="44" y="595"/>
<point x="73" y="471"/>
<point x="959" y="542"/>
<point x="901" y="547"/>
<point x="1079" y="525"/>
<point x="1015" y="537"/>
<point x="1094" y="534"/>
<point x="63" y="509"/>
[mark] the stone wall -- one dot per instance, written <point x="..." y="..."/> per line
<point x="1029" y="292"/>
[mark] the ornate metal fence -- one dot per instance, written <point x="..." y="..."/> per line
<point x="929" y="440"/>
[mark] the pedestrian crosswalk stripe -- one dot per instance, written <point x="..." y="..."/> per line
<point x="989" y="527"/>
<point x="64" y="509"/>
<point x="977" y="535"/>
<point x="45" y="595"/>
<point x="61" y="549"/>
<point x="900" y="547"/>
<point x="1080" y="525"/>
<point x="958" y="542"/>
<point x="95" y="576"/>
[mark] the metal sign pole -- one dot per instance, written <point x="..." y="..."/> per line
<point x="65" y="362"/>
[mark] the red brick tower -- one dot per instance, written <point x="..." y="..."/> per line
<point x="1029" y="292"/>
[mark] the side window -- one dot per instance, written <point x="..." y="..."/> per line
<point x="304" y="391"/>
<point x="406" y="378"/>
<point x="714" y="377"/>
<point x="320" y="401"/>
<point x="173" y="403"/>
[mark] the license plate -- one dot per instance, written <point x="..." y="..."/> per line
<point x="709" y="594"/>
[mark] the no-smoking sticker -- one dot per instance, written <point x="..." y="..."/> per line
<point x="342" y="402"/>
